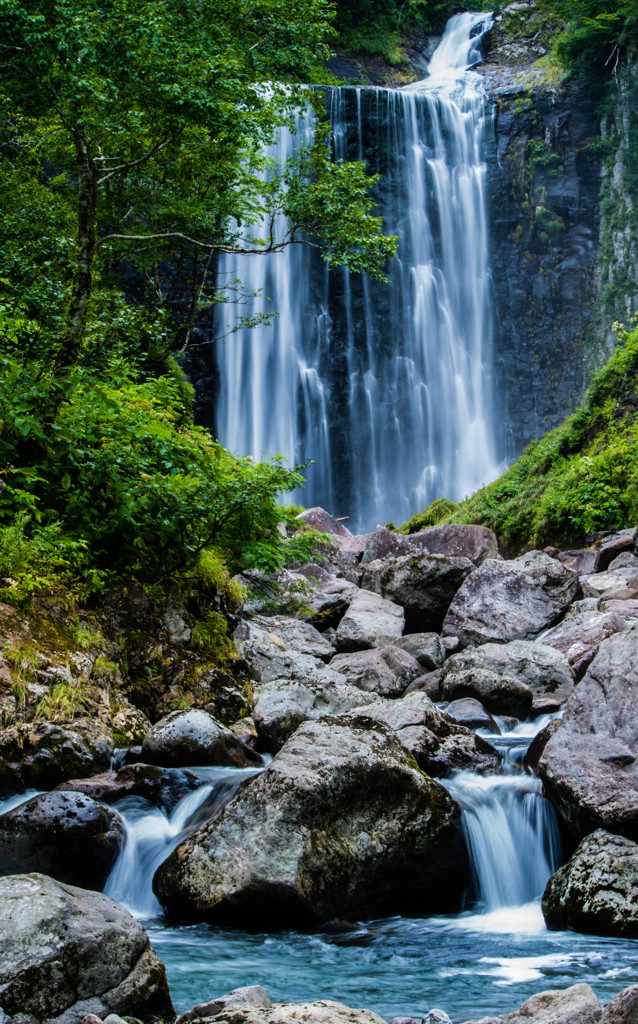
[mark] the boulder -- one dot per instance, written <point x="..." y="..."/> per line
<point x="249" y="995"/>
<point x="466" y="541"/>
<point x="369" y="622"/>
<point x="578" y="637"/>
<point x="66" y="952"/>
<point x="541" y="739"/>
<point x="504" y="601"/>
<point x="318" y="519"/>
<point x="509" y="678"/>
<point x="589" y="767"/>
<point x="614" y="545"/>
<point x="623" y="1009"/>
<point x="597" y="890"/>
<point x="282" y="705"/>
<point x="327" y="601"/>
<point x="430" y="684"/>
<point x="66" y="835"/>
<point x="293" y="635"/>
<point x="439" y="743"/>
<point x="40" y="755"/>
<point x="575" y="1005"/>
<point x="626" y="560"/>
<point x="582" y="561"/>
<point x="609" y="584"/>
<point x="627" y="609"/>
<point x="193" y="737"/>
<point x="324" y="1011"/>
<point x="267" y="656"/>
<point x="162" y="787"/>
<point x="425" y="647"/>
<point x="470" y="712"/>
<point x="387" y="671"/>
<point x="422" y="584"/>
<point x="341" y="823"/>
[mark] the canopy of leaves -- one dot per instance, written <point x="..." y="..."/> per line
<point x="577" y="479"/>
<point x="596" y="33"/>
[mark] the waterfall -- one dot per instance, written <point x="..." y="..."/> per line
<point x="151" y="835"/>
<point x="386" y="387"/>
<point x="512" y="837"/>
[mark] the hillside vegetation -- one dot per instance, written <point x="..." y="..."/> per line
<point x="581" y="477"/>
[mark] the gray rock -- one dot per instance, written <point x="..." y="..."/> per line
<point x="436" y="1017"/>
<point x="40" y="755"/>
<point x="575" y="1005"/>
<point x="66" y="835"/>
<point x="336" y="825"/>
<point x="614" y="545"/>
<point x="597" y="890"/>
<point x="510" y="678"/>
<point x="582" y="561"/>
<point x="66" y="952"/>
<point x="423" y="584"/>
<point x="296" y="636"/>
<point x="504" y="601"/>
<point x="586" y="604"/>
<point x="324" y="1011"/>
<point x="627" y="609"/>
<point x="626" y="560"/>
<point x="267" y="656"/>
<point x="430" y="684"/>
<point x="369" y="622"/>
<point x="114" y="1018"/>
<point x="471" y="713"/>
<point x="425" y="647"/>
<point x="534" y="558"/>
<point x="162" y="787"/>
<point x="609" y="584"/>
<point x="578" y="637"/>
<point x="623" y="1009"/>
<point x="249" y="995"/>
<point x="282" y="705"/>
<point x="439" y="743"/>
<point x="387" y="671"/>
<point x="589" y="767"/>
<point x="177" y="624"/>
<point x="327" y="602"/>
<point x="318" y="519"/>
<point x="466" y="541"/>
<point x="193" y="737"/>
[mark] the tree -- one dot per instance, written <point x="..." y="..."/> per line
<point x="155" y="115"/>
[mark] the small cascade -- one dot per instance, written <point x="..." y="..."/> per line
<point x="512" y="836"/>
<point x="152" y="835"/>
<point x="11" y="802"/>
<point x="386" y="387"/>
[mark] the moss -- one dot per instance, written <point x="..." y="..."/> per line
<point x="579" y="478"/>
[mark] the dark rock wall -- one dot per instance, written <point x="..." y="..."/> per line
<point x="543" y="209"/>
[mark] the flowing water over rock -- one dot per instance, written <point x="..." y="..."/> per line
<point x="387" y="388"/>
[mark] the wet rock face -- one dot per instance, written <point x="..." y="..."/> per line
<point x="194" y="737"/>
<point x="504" y="601"/>
<point x="66" y="952"/>
<point x="589" y="767"/>
<point x="66" y="835"/>
<point x="543" y="185"/>
<point x="595" y="892"/>
<point x="341" y="824"/>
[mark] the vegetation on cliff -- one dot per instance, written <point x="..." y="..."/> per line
<point x="579" y="478"/>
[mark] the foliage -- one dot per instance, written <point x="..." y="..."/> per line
<point x="210" y="637"/>
<point x="577" y="479"/>
<point x="379" y="27"/>
<point x="596" y="32"/>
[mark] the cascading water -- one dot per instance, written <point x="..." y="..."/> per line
<point x="387" y="388"/>
<point x="151" y="835"/>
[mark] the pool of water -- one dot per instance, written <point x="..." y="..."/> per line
<point x="471" y="965"/>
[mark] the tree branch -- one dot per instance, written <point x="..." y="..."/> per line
<point x="133" y="163"/>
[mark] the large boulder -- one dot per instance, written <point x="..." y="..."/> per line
<point x="268" y="657"/>
<point x="470" y="712"/>
<point x="387" y="671"/>
<point x="623" y="1009"/>
<point x="589" y="767"/>
<point x="283" y="704"/>
<point x="66" y="952"/>
<point x="40" y="755"/>
<point x="575" y="1005"/>
<point x="342" y="823"/>
<point x="293" y="635"/>
<point x="504" y="601"/>
<point x="614" y="545"/>
<point x="369" y="622"/>
<point x="422" y="584"/>
<point x="509" y="679"/>
<point x="193" y="737"/>
<point x="440" y="744"/>
<point x="578" y="637"/>
<point x="66" y="835"/>
<point x="597" y="890"/>
<point x="327" y="599"/>
<point x="617" y="584"/>
<point x="162" y="787"/>
<point x="240" y="998"/>
<point x="466" y="541"/>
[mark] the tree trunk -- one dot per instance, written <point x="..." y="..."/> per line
<point x="87" y="172"/>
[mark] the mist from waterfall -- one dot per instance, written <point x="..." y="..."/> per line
<point x="386" y="387"/>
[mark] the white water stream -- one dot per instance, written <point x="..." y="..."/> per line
<point x="387" y="388"/>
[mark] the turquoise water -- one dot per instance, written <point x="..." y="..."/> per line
<point x="399" y="967"/>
